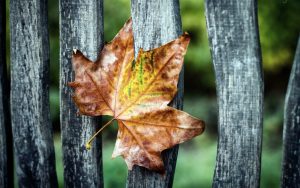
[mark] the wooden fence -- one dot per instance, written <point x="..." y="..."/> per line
<point x="235" y="49"/>
<point x="234" y="40"/>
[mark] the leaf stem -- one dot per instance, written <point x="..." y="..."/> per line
<point x="88" y="144"/>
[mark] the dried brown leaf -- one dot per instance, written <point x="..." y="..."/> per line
<point x="136" y="94"/>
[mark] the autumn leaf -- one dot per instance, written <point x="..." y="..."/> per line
<point x="136" y="94"/>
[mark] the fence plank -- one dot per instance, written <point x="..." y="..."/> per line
<point x="291" y="131"/>
<point x="6" y="162"/>
<point x="156" y="23"/>
<point x="32" y="131"/>
<point x="234" y="41"/>
<point x="81" y="27"/>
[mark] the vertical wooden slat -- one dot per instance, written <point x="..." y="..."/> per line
<point x="291" y="131"/>
<point x="32" y="130"/>
<point x="81" y="27"/>
<point x="6" y="162"/>
<point x="3" y="145"/>
<point x="234" y="41"/>
<point x="156" y="22"/>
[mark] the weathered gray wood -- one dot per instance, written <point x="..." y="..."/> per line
<point x="156" y="22"/>
<point x="234" y="41"/>
<point x="81" y="27"/>
<point x="291" y="132"/>
<point x="32" y="130"/>
<point x="6" y="162"/>
<point x="3" y="146"/>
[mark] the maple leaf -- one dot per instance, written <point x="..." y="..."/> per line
<point x="136" y="93"/>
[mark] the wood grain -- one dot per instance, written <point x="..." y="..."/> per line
<point x="81" y="27"/>
<point x="6" y="154"/>
<point x="291" y="132"/>
<point x="235" y="48"/>
<point x="156" y="22"/>
<point x="32" y="130"/>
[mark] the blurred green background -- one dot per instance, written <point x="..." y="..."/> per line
<point x="279" y="26"/>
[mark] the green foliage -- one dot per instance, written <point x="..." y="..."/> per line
<point x="114" y="170"/>
<point x="273" y="122"/>
<point x="116" y="13"/>
<point x="198" y="59"/>
<point x="195" y="163"/>
<point x="54" y="103"/>
<point x="271" y="168"/>
<point x="279" y="30"/>
<point x="59" y="160"/>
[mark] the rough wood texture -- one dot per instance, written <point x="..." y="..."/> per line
<point x="156" y="23"/>
<point x="81" y="27"/>
<point x="291" y="132"/>
<point x="32" y="130"/>
<point x="234" y="41"/>
<point x="3" y="146"/>
<point x="6" y="162"/>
